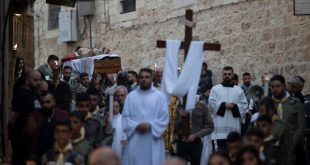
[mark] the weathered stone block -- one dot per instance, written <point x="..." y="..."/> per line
<point x="266" y="35"/>
<point x="245" y="26"/>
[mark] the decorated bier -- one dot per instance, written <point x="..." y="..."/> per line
<point x="108" y="65"/>
<point x="104" y="63"/>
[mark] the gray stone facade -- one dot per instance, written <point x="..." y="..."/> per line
<point x="256" y="35"/>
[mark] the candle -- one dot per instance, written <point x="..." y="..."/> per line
<point x="266" y="84"/>
<point x="14" y="50"/>
<point x="111" y="97"/>
<point x="15" y="47"/>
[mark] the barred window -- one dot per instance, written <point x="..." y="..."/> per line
<point x="128" y="6"/>
<point x="53" y="16"/>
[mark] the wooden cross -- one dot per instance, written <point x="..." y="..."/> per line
<point x="189" y="36"/>
<point x="185" y="45"/>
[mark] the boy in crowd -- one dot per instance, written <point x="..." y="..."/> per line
<point x="254" y="137"/>
<point x="100" y="115"/>
<point x="80" y="144"/>
<point x="63" y="152"/>
<point x="93" y="129"/>
<point x="233" y="143"/>
<point x="271" y="147"/>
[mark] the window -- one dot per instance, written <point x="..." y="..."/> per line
<point x="53" y="16"/>
<point x="128" y="6"/>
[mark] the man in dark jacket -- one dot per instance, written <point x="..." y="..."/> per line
<point x="189" y="144"/>
<point x="23" y="103"/>
<point x="41" y="124"/>
<point x="205" y="82"/>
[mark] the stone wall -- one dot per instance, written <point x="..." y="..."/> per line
<point x="256" y="35"/>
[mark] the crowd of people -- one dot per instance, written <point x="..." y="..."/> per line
<point x="62" y="118"/>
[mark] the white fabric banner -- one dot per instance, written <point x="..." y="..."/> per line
<point x="187" y="82"/>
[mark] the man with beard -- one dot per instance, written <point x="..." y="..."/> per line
<point x="246" y="78"/>
<point x="23" y="103"/>
<point x="246" y="85"/>
<point x="132" y="80"/>
<point x="66" y="77"/>
<point x="158" y="77"/>
<point x="228" y="104"/>
<point x="144" y="119"/>
<point x="84" y="83"/>
<point x="66" y="73"/>
<point x="41" y="124"/>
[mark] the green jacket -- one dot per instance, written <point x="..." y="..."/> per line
<point x="82" y="147"/>
<point x="290" y="128"/>
<point x="45" y="70"/>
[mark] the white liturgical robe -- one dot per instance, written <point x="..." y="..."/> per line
<point x="226" y="120"/>
<point x="118" y="136"/>
<point x="145" y="106"/>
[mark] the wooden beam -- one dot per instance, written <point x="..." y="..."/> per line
<point x="188" y="32"/>
<point x="212" y="46"/>
<point x="206" y="46"/>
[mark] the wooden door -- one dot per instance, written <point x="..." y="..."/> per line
<point x="24" y="38"/>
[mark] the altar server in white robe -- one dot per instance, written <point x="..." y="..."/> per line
<point x="119" y="137"/>
<point x="144" y="119"/>
<point x="228" y="104"/>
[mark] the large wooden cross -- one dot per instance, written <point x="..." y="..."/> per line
<point x="185" y="45"/>
<point x="189" y="36"/>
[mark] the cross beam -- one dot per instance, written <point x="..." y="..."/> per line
<point x="188" y="38"/>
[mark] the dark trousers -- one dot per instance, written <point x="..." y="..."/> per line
<point x="245" y="126"/>
<point x="300" y="154"/>
<point x="219" y="145"/>
<point x="190" y="151"/>
<point x="20" y="150"/>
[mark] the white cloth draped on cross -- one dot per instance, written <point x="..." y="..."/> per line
<point x="187" y="82"/>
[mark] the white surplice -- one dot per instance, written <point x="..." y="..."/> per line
<point x="148" y="106"/>
<point x="118" y="135"/>
<point x="223" y="125"/>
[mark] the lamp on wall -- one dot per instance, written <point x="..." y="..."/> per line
<point x="14" y="51"/>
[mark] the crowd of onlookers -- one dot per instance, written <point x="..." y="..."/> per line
<point x="59" y="117"/>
